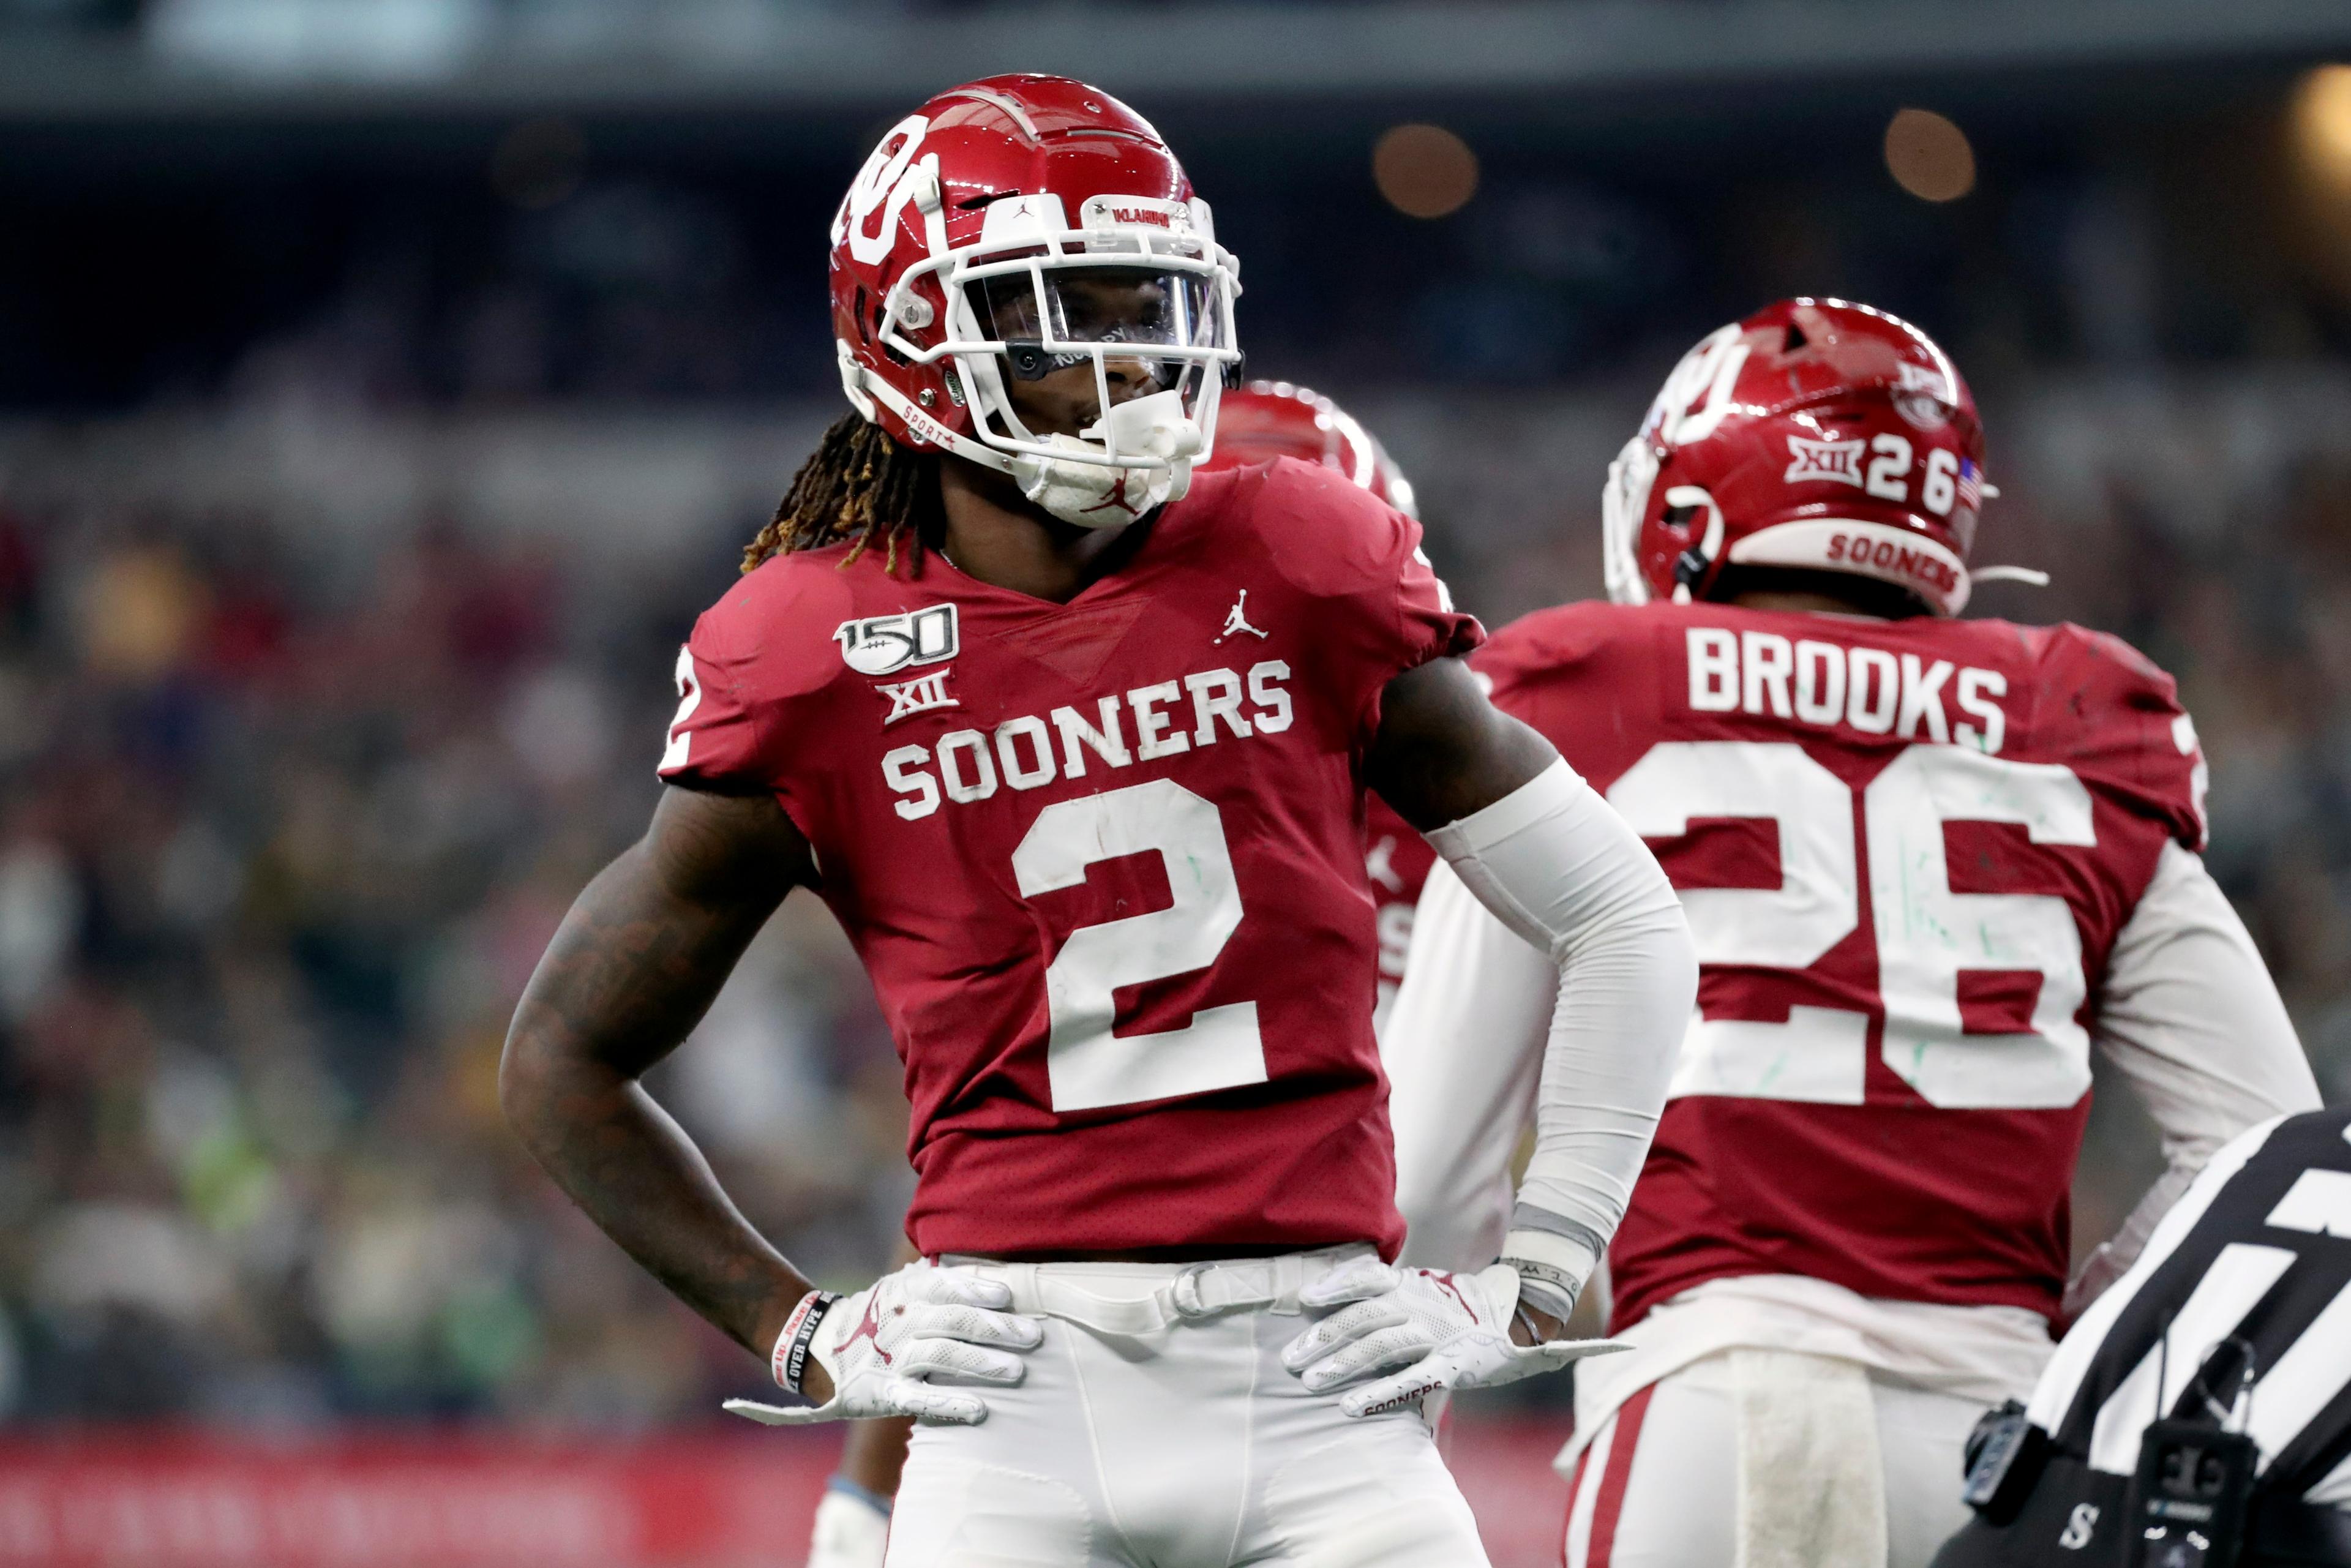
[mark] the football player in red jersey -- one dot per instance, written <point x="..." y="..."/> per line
<point x="1074" y="742"/>
<point x="1256" y="424"/>
<point x="1928" y="863"/>
<point x="1262" y="422"/>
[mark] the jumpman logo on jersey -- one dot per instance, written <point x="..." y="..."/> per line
<point x="1237" y="620"/>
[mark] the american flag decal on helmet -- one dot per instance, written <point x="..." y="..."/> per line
<point x="1970" y="484"/>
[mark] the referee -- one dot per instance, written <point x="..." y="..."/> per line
<point x="2199" y="1415"/>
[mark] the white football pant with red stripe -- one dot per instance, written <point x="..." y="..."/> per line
<point x="1157" y="1428"/>
<point x="1771" y="1460"/>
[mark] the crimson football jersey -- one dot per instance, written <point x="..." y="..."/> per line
<point x="1905" y="848"/>
<point x="1103" y="860"/>
<point x="1397" y="860"/>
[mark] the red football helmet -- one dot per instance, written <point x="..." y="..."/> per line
<point x="1266" y="420"/>
<point x="1816" y="435"/>
<point x="1012" y="227"/>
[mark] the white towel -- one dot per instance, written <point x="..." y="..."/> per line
<point x="1812" y="1487"/>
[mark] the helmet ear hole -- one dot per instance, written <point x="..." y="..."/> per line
<point x="1699" y="556"/>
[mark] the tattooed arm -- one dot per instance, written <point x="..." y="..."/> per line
<point x="636" y="962"/>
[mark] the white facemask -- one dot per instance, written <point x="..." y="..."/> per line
<point x="1154" y="432"/>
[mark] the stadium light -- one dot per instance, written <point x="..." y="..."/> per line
<point x="2322" y="126"/>
<point x="1928" y="156"/>
<point x="1425" y="171"/>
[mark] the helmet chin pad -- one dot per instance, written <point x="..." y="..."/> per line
<point x="1135" y="457"/>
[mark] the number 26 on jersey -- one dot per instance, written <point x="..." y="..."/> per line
<point x="1927" y="934"/>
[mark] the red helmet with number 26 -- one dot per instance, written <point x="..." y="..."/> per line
<point x="1014" y="227"/>
<point x="1814" y="434"/>
<point x="1266" y="420"/>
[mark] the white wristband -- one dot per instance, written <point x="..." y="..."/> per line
<point x="1552" y="1269"/>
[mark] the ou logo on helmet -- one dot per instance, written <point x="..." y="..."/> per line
<point x="1697" y="398"/>
<point x="888" y="173"/>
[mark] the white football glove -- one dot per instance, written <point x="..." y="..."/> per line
<point x="851" y="1531"/>
<point x="881" y="1345"/>
<point x="1444" y="1331"/>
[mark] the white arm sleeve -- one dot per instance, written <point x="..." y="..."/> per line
<point x="2189" y="1015"/>
<point x="1463" y="1045"/>
<point x="1552" y="862"/>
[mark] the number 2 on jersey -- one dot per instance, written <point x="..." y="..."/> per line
<point x="1927" y="934"/>
<point x="1088" y="1065"/>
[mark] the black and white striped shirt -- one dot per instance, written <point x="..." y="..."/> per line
<point x="2254" y="1262"/>
<point x="2251" y="1271"/>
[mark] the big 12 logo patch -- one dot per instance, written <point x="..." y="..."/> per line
<point x="882" y="645"/>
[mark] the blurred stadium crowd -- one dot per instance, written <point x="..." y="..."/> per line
<point x="277" y="857"/>
<point x="302" y="756"/>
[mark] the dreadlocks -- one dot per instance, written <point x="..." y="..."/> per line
<point x="857" y="485"/>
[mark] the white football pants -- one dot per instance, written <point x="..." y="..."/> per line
<point x="1771" y="1460"/>
<point x="1157" y="1428"/>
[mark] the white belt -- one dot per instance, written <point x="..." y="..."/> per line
<point x="1128" y="1299"/>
